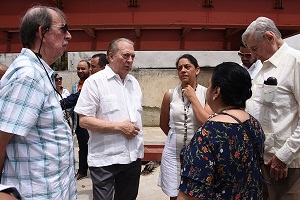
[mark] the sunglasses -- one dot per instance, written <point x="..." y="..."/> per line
<point x="58" y="79"/>
<point x="63" y="28"/>
<point x="247" y="55"/>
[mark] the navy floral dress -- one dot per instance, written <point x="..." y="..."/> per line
<point x="219" y="162"/>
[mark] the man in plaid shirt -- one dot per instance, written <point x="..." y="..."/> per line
<point x="36" y="143"/>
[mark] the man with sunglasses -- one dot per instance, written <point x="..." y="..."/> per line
<point x="110" y="107"/>
<point x="249" y="62"/>
<point x="36" y="143"/>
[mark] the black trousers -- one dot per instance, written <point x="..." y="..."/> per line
<point x="82" y="137"/>
<point x="119" y="180"/>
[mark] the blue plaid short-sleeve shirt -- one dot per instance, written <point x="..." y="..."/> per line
<point x="40" y="157"/>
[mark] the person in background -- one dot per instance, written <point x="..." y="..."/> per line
<point x="83" y="72"/>
<point x="249" y="62"/>
<point x="224" y="156"/>
<point x="3" y="69"/>
<point x="62" y="94"/>
<point x="110" y="107"/>
<point x="182" y="112"/>
<point x="36" y="143"/>
<point x="98" y="62"/>
<point x="275" y="101"/>
<point x="58" y="83"/>
<point x="70" y="101"/>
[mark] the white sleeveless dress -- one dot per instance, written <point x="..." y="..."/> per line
<point x="169" y="176"/>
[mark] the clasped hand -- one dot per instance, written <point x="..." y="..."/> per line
<point x="129" y="129"/>
<point x="189" y="92"/>
<point x="278" y="169"/>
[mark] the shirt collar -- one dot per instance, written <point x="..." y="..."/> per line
<point x="80" y="81"/>
<point x="111" y="74"/>
<point x="28" y="53"/>
<point x="252" y="66"/>
<point x="276" y="58"/>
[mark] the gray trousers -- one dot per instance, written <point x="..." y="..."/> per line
<point x="284" y="189"/>
<point x="118" y="182"/>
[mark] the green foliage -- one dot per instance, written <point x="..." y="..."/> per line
<point x="61" y="64"/>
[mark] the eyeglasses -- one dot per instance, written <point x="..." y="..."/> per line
<point x="187" y="67"/>
<point x="58" y="79"/>
<point x="63" y="28"/>
<point x="247" y="55"/>
<point x="126" y="56"/>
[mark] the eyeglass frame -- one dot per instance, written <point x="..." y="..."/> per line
<point x="247" y="55"/>
<point x="64" y="28"/>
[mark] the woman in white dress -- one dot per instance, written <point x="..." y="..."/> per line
<point x="58" y="82"/>
<point x="183" y="110"/>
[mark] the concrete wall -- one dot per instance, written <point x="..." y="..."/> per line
<point x="154" y="83"/>
<point x="155" y="71"/>
<point x="162" y="59"/>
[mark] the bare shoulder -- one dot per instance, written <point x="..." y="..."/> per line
<point x="240" y="114"/>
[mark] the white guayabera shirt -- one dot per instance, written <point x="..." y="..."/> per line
<point x="277" y="107"/>
<point x="104" y="96"/>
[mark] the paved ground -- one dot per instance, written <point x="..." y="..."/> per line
<point x="148" y="189"/>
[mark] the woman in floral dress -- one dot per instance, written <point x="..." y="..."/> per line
<point x="223" y="158"/>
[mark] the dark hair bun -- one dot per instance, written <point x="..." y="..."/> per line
<point x="234" y="82"/>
